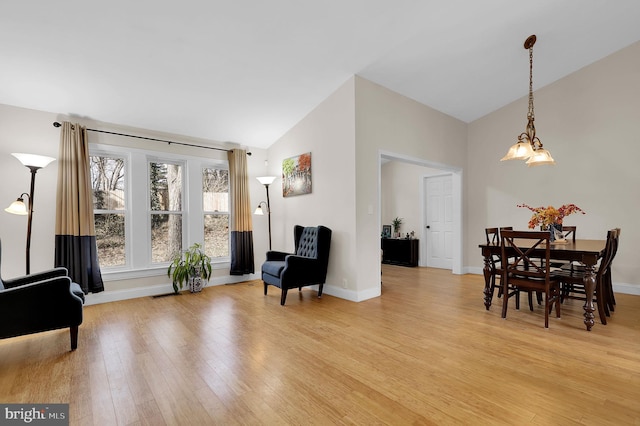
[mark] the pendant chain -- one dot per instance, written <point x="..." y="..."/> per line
<point x="530" y="114"/>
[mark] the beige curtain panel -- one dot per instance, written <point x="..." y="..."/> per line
<point x="242" y="259"/>
<point x="76" y="247"/>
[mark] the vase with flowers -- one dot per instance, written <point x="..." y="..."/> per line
<point x="550" y="218"/>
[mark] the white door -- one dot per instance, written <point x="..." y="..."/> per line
<point x="439" y="221"/>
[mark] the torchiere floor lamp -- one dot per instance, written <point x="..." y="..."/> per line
<point x="32" y="162"/>
<point x="266" y="181"/>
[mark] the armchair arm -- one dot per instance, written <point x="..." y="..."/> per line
<point x="277" y="255"/>
<point x="35" y="277"/>
<point x="40" y="306"/>
<point x="300" y="269"/>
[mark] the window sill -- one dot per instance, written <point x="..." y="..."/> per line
<point x="156" y="271"/>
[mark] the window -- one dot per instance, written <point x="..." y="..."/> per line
<point x="109" y="207"/>
<point x="165" y="188"/>
<point x="149" y="205"/>
<point x="215" y="204"/>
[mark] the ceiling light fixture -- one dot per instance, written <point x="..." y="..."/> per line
<point x="529" y="146"/>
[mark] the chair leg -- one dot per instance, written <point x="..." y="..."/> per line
<point x="547" y="308"/>
<point x="601" y="301"/>
<point x="265" y="288"/>
<point x="530" y="297"/>
<point x="320" y="290"/>
<point x="505" y="300"/>
<point x="611" y="300"/>
<point x="283" y="296"/>
<point x="73" y="332"/>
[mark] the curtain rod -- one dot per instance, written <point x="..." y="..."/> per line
<point x="56" y="124"/>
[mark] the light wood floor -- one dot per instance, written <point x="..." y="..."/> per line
<point x="426" y="352"/>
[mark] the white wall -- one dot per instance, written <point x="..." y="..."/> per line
<point x="401" y="194"/>
<point x="29" y="131"/>
<point x="589" y="122"/>
<point x="389" y="122"/>
<point x="328" y="132"/>
<point x="25" y="130"/>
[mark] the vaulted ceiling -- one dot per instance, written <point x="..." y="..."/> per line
<point x="246" y="71"/>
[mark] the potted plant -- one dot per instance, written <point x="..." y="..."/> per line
<point x="192" y="266"/>
<point x="396" y="226"/>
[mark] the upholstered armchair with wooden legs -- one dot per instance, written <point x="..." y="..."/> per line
<point x="38" y="302"/>
<point x="307" y="266"/>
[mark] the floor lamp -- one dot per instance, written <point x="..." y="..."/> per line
<point x="266" y="181"/>
<point x="32" y="162"/>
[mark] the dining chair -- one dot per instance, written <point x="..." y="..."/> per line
<point x="522" y="271"/>
<point x="572" y="279"/>
<point x="493" y="238"/>
<point x="608" y="284"/>
<point x="569" y="231"/>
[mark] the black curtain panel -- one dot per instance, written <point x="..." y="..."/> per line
<point x="75" y="238"/>
<point x="242" y="259"/>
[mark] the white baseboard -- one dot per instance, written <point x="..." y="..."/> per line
<point x="156" y="290"/>
<point x="350" y="295"/>
<point x="354" y="296"/>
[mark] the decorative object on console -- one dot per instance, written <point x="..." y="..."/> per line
<point x="396" y="226"/>
<point x="386" y="231"/>
<point x="34" y="163"/>
<point x="529" y="146"/>
<point x="266" y="181"/>
<point x="296" y="175"/>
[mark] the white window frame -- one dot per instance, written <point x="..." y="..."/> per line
<point x="127" y="204"/>
<point x="185" y="203"/>
<point x="138" y="225"/>
<point x="220" y="166"/>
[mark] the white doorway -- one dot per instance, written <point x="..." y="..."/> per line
<point x="438" y="217"/>
<point x="453" y="243"/>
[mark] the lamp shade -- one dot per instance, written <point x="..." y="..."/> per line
<point x="540" y="157"/>
<point x="266" y="180"/>
<point x="518" y="151"/>
<point x="33" y="160"/>
<point x="259" y="211"/>
<point x="17" y="207"/>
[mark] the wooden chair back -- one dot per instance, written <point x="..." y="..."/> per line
<point x="525" y="268"/>
<point x="569" y="231"/>
<point x="492" y="236"/>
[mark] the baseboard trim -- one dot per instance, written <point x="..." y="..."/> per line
<point x="157" y="290"/>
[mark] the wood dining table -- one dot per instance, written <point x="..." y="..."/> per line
<point x="586" y="252"/>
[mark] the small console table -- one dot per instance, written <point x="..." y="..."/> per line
<point x="400" y="251"/>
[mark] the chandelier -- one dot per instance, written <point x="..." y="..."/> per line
<point x="529" y="146"/>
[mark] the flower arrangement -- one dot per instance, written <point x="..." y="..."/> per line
<point x="547" y="216"/>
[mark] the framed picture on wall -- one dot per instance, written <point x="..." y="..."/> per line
<point x="296" y="175"/>
<point x="386" y="231"/>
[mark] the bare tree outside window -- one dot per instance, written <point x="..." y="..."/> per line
<point x="107" y="182"/>
<point x="215" y="202"/>
<point x="166" y="187"/>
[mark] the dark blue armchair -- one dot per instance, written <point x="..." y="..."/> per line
<point x="38" y="302"/>
<point x="308" y="266"/>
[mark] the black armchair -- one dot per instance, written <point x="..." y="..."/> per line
<point x="308" y="266"/>
<point x="38" y="302"/>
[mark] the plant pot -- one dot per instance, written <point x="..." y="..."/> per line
<point x="196" y="284"/>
